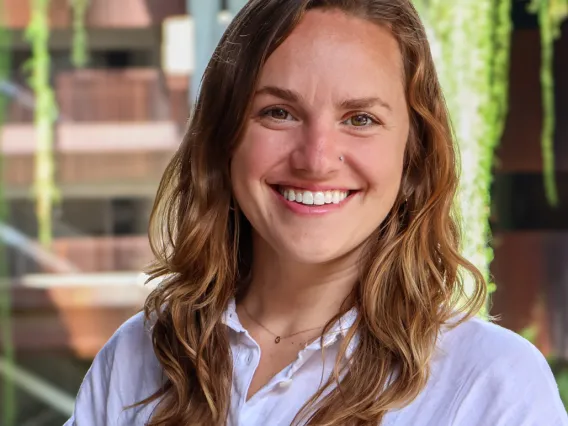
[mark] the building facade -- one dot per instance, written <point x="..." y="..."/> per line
<point x="120" y="120"/>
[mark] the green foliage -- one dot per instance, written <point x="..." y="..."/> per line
<point x="561" y="373"/>
<point x="551" y="14"/>
<point x="79" y="55"/>
<point x="560" y="369"/>
<point x="530" y="333"/>
<point x="470" y="43"/>
<point x="562" y="380"/>
<point x="9" y="397"/>
<point x="39" y="65"/>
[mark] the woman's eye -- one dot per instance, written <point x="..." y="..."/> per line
<point x="277" y="114"/>
<point x="361" y="120"/>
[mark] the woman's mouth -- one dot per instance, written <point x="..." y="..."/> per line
<point x="313" y="198"/>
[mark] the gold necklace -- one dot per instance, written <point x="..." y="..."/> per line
<point x="277" y="338"/>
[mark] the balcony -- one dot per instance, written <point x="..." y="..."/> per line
<point x="101" y="13"/>
<point x="122" y="124"/>
<point x="104" y="254"/>
<point x="533" y="292"/>
<point x="103" y="95"/>
<point x="74" y="313"/>
<point x="81" y="294"/>
<point x="133" y="95"/>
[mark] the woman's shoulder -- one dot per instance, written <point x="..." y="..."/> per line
<point x="485" y="343"/>
<point x="495" y="374"/>
<point x="130" y="341"/>
<point x="478" y="344"/>
<point x="130" y="349"/>
<point x="135" y="331"/>
<point x="124" y="372"/>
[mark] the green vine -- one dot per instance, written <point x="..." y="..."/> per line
<point x="551" y="14"/>
<point x="470" y="42"/>
<point x="8" y="390"/>
<point x="45" y="190"/>
<point x="79" y="56"/>
<point x="562" y="381"/>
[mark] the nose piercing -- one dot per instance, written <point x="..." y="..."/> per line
<point x="341" y="158"/>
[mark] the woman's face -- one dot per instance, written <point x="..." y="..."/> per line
<point x="321" y="160"/>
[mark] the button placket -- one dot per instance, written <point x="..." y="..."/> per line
<point x="247" y="356"/>
<point x="285" y="384"/>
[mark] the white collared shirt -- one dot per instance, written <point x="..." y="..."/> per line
<point x="482" y="375"/>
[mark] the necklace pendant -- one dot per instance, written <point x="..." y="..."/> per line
<point x="277" y="340"/>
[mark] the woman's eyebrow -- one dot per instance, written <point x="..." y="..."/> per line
<point x="285" y="94"/>
<point x="294" y="97"/>
<point x="361" y="103"/>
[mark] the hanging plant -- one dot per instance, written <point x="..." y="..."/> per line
<point x="79" y="55"/>
<point x="45" y="191"/>
<point x="8" y="390"/>
<point x="551" y="14"/>
<point x="470" y="43"/>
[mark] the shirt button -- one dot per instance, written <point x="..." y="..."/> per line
<point x="285" y="383"/>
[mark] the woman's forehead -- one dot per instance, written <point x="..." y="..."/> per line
<point x="330" y="50"/>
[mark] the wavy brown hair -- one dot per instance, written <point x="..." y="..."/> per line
<point x="412" y="279"/>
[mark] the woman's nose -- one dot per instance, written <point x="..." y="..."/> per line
<point x="316" y="153"/>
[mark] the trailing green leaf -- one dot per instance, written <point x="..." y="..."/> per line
<point x="8" y="390"/>
<point x="562" y="381"/>
<point x="551" y="14"/>
<point x="79" y="56"/>
<point x="471" y="42"/>
<point x="45" y="191"/>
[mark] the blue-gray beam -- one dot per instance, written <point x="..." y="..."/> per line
<point x="205" y="17"/>
<point x="208" y="29"/>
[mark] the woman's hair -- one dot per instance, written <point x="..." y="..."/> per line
<point x="412" y="275"/>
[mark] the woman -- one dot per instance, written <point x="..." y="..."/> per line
<point x="307" y="254"/>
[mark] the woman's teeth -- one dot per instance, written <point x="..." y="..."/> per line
<point x="318" y="198"/>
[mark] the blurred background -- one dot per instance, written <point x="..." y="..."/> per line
<point x="95" y="96"/>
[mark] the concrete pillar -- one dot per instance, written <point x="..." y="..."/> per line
<point x="209" y="26"/>
<point x="205" y="17"/>
<point x="236" y="5"/>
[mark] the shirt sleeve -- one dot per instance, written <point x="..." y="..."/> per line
<point x="124" y="372"/>
<point x="517" y="389"/>
<point x="91" y="404"/>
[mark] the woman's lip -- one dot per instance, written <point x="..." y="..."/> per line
<point x="311" y="188"/>
<point x="303" y="209"/>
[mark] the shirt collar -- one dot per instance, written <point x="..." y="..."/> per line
<point x="338" y="330"/>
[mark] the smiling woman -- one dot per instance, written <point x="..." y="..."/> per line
<point x="306" y="251"/>
<point x="302" y="119"/>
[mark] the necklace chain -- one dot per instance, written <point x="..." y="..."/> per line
<point x="277" y="337"/>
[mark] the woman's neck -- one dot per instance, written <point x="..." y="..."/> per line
<point x="287" y="296"/>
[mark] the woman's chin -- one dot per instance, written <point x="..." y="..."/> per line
<point x="316" y="254"/>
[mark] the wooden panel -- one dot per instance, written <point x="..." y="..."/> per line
<point x="520" y="145"/>
<point x="81" y="331"/>
<point x="561" y="86"/>
<point x="531" y="273"/>
<point x="520" y="149"/>
<point x="91" y="138"/>
<point x="99" y="96"/>
<point x="71" y="312"/>
<point x="105" y="253"/>
<point x="39" y="293"/>
<point x="111" y="95"/>
<point x="137" y="168"/>
<point x="132" y="13"/>
<point x="101" y="13"/>
<point x="20" y="113"/>
<point x="17" y="13"/>
<point x="178" y="89"/>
